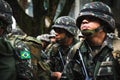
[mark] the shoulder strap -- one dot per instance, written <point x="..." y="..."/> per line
<point x="71" y="54"/>
<point x="104" y="52"/>
<point x="73" y="50"/>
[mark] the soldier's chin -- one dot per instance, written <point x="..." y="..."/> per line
<point x="88" y="32"/>
<point x="58" y="41"/>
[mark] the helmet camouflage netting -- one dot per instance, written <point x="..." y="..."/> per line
<point x="43" y="37"/>
<point x="5" y="12"/>
<point x="67" y="23"/>
<point x="99" y="10"/>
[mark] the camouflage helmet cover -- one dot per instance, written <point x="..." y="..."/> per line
<point x="52" y="33"/>
<point x="99" y="10"/>
<point x="67" y="23"/>
<point x="5" y="12"/>
<point x="43" y="37"/>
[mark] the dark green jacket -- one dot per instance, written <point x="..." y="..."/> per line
<point x="7" y="61"/>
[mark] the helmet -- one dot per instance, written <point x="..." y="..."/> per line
<point x="6" y="13"/>
<point x="98" y="10"/>
<point x="43" y="37"/>
<point x="67" y="23"/>
<point x="52" y="33"/>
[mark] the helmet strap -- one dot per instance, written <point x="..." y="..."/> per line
<point x="91" y="32"/>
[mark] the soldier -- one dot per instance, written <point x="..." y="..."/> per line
<point x="7" y="61"/>
<point x="65" y="33"/>
<point x="96" y="23"/>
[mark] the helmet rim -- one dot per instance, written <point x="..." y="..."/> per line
<point x="99" y="10"/>
<point x="66" y="28"/>
<point x="99" y="16"/>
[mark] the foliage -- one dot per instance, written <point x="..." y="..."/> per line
<point x="41" y="9"/>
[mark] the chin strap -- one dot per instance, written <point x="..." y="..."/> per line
<point x="91" y="32"/>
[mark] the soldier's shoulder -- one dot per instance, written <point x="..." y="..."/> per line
<point x="116" y="44"/>
<point x="32" y="39"/>
<point x="52" y="48"/>
<point x="116" y="48"/>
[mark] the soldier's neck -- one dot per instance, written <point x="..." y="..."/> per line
<point x="67" y="42"/>
<point x="97" y="39"/>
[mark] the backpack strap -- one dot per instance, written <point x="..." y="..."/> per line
<point x="73" y="50"/>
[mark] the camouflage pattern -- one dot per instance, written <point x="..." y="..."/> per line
<point x="43" y="37"/>
<point x="58" y="60"/>
<point x="99" y="66"/>
<point x="22" y="55"/>
<point x="52" y="33"/>
<point x="66" y="23"/>
<point x="6" y="15"/>
<point x="5" y="12"/>
<point x="99" y="10"/>
<point x="40" y="68"/>
<point x="99" y="61"/>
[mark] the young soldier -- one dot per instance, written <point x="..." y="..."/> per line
<point x="65" y="35"/>
<point x="96" y="23"/>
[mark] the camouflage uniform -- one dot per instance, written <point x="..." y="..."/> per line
<point x="39" y="69"/>
<point x="101" y="66"/>
<point x="59" y="55"/>
<point x="7" y="61"/>
<point x="38" y="58"/>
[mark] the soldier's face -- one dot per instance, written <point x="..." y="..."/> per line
<point x="90" y="23"/>
<point x="53" y="40"/>
<point x="60" y="34"/>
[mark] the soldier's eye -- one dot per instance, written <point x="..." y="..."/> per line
<point x="59" y="30"/>
<point x="91" y="18"/>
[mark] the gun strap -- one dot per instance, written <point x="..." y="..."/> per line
<point x="71" y="53"/>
